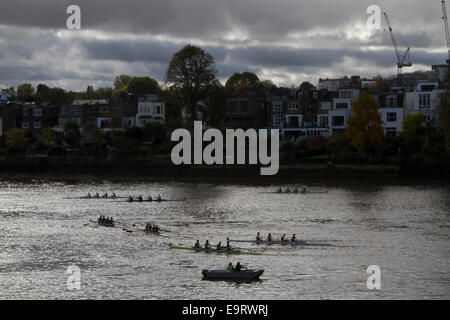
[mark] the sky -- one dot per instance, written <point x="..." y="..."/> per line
<point x="286" y="41"/>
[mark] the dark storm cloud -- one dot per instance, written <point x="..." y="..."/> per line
<point x="284" y="38"/>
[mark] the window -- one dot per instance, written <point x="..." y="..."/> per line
<point x="424" y="101"/>
<point x="325" y="105"/>
<point x="37" y="112"/>
<point x="323" y="121"/>
<point x="341" y="105"/>
<point x="37" y="124"/>
<point x="338" y="120"/>
<point x="25" y="125"/>
<point x="391" y="132"/>
<point x="158" y="109"/>
<point x="292" y="105"/>
<point x="391" y="102"/>
<point x="391" y="116"/>
<point x="346" y="94"/>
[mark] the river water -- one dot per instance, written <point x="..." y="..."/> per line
<point x="404" y="230"/>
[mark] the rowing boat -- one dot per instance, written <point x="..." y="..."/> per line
<point x="225" y="251"/>
<point x="285" y="242"/>
<point x="232" y="275"/>
<point x="102" y="224"/>
<point x="94" y="198"/>
<point x="292" y="192"/>
<point x="154" y="200"/>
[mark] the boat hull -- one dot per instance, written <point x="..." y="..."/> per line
<point x="232" y="275"/>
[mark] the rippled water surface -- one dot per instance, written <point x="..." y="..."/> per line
<point x="403" y="229"/>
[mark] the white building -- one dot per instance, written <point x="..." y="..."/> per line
<point x="332" y="85"/>
<point x="342" y="110"/>
<point x="150" y="110"/>
<point x="426" y="97"/>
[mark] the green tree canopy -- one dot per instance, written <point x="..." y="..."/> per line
<point x="25" y="91"/>
<point x="411" y="134"/>
<point x="193" y="71"/>
<point x="16" y="139"/>
<point x="364" y="128"/>
<point x="143" y="85"/>
<point x="242" y="82"/>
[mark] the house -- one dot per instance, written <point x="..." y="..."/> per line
<point x="246" y="110"/>
<point x="426" y="99"/>
<point x="392" y="111"/>
<point x="32" y="118"/>
<point x="341" y="110"/>
<point x="150" y="110"/>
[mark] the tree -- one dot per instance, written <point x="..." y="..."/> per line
<point x="72" y="133"/>
<point x="411" y="134"/>
<point x="364" y="128"/>
<point x="307" y="86"/>
<point x="193" y="71"/>
<point x="443" y="110"/>
<point x="242" y="82"/>
<point x="122" y="81"/>
<point x="215" y="105"/>
<point x="143" y="85"/>
<point x="16" y="139"/>
<point x="42" y="92"/>
<point x="25" y="91"/>
<point x="47" y="135"/>
<point x="268" y="84"/>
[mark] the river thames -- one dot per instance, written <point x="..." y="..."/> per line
<point x="405" y="230"/>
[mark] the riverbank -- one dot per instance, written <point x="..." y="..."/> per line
<point x="162" y="171"/>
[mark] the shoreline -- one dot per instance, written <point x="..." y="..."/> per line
<point x="323" y="174"/>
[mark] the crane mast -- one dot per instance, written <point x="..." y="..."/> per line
<point x="402" y="59"/>
<point x="444" y="17"/>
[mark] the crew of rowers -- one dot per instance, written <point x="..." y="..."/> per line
<point x="269" y="237"/>
<point x="97" y="196"/>
<point x="140" y="199"/>
<point x="219" y="246"/>
<point x="295" y="190"/>
<point x="107" y="220"/>
<point x="151" y="228"/>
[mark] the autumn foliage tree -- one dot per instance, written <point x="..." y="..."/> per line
<point x="16" y="139"/>
<point x="365" y="127"/>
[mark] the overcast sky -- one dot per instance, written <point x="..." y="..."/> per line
<point x="287" y="41"/>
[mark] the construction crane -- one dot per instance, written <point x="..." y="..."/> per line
<point x="402" y="59"/>
<point x="444" y="17"/>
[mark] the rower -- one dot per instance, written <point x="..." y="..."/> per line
<point x="295" y="190"/>
<point x="99" y="219"/>
<point x="288" y="190"/>
<point x="279" y="190"/>
<point x="130" y="199"/>
<point x="219" y="246"/>
<point x="113" y="195"/>
<point x="96" y="195"/>
<point x="207" y="245"/>
<point x="269" y="237"/>
<point x="105" y="195"/>
<point x="158" y="198"/>
<point x="238" y="267"/>
<point x="293" y="239"/>
<point x="258" y="237"/>
<point x="283" y="236"/>
<point x="304" y="190"/>
<point x="89" y="195"/>
<point x="228" y="244"/>
<point x="149" y="198"/>
<point x="156" y="229"/>
<point x="197" y="244"/>
<point x="140" y="199"/>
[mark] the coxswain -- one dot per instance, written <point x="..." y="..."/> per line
<point x="269" y="237"/>
<point x="293" y="239"/>
<point x="238" y="267"/>
<point x="258" y="237"/>
<point x="197" y="244"/>
<point x="111" y="221"/>
<point x="283" y="236"/>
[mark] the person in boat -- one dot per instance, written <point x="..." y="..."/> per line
<point x="304" y="190"/>
<point x="230" y="267"/>
<point x="156" y="228"/>
<point x="279" y="190"/>
<point x="269" y="237"/>
<point x="293" y="239"/>
<point x="158" y="198"/>
<point x="113" y="195"/>
<point x="219" y="246"/>
<point x="149" y="198"/>
<point x="295" y="190"/>
<point x="238" y="267"/>
<point x="258" y="237"/>
<point x="89" y="195"/>
<point x="283" y="236"/>
<point x="105" y="195"/>
<point x="207" y="245"/>
<point x="99" y="219"/>
<point x="288" y="190"/>
<point x="140" y="199"/>
<point x="228" y="244"/>
<point x="197" y="244"/>
<point x="111" y="221"/>
<point x="97" y="195"/>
